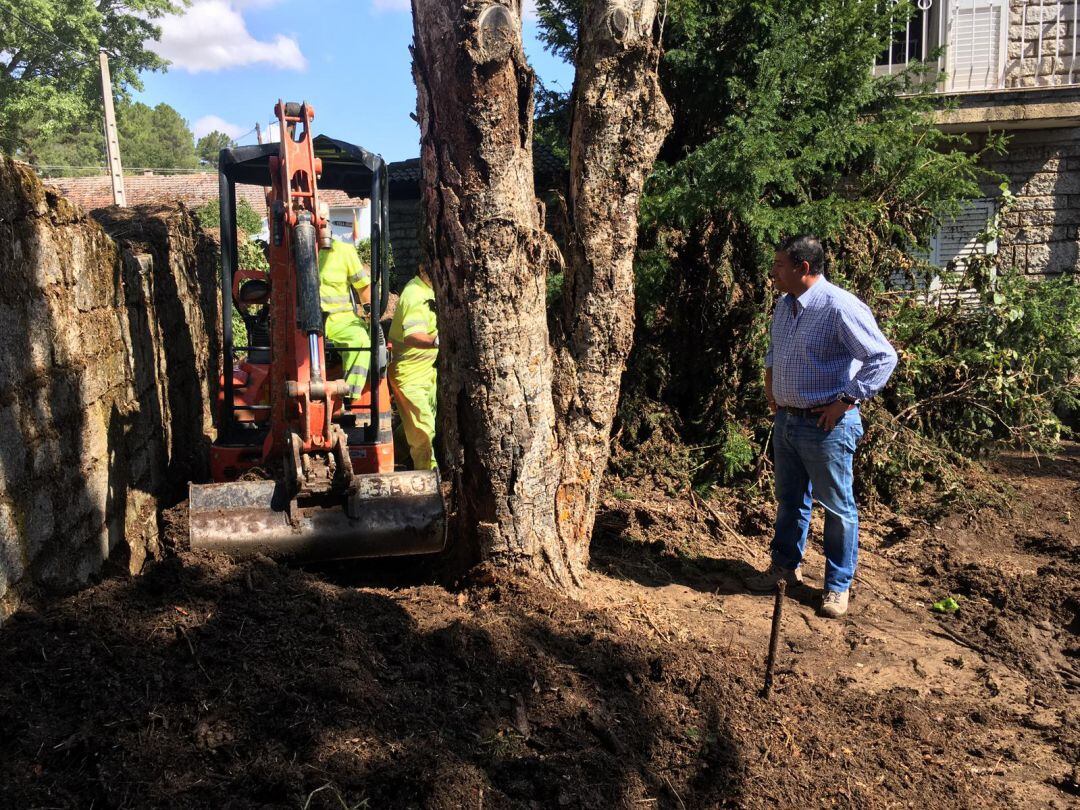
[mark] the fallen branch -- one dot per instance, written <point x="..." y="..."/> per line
<point x="195" y="655"/>
<point x="943" y="632"/>
<point x="700" y="503"/>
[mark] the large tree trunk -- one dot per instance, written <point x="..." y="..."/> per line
<point x="620" y="119"/>
<point x="475" y="106"/>
<point x="527" y="441"/>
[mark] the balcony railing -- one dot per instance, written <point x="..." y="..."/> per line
<point x="991" y="44"/>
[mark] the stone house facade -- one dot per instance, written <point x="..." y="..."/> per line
<point x="1008" y="66"/>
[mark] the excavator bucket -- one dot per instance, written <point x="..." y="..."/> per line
<point x="380" y="515"/>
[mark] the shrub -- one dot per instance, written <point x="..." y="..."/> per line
<point x="247" y="219"/>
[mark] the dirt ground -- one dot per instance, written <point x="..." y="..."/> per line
<point x="208" y="683"/>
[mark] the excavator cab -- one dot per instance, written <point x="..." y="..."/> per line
<point x="302" y="467"/>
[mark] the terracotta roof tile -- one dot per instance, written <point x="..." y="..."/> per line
<point x="193" y="190"/>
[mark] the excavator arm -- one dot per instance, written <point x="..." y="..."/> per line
<point x="328" y="488"/>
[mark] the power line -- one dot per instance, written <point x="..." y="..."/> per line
<point x="127" y="170"/>
<point x="239" y="138"/>
<point x="49" y="35"/>
<point x="56" y="40"/>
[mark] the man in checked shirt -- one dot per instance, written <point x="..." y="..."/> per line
<point x="826" y="356"/>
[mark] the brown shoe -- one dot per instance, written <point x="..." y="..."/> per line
<point x="834" y="604"/>
<point x="765" y="582"/>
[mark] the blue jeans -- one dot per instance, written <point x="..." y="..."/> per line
<point x="812" y="463"/>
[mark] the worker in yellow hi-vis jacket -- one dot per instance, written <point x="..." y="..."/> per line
<point x="345" y="285"/>
<point x="414" y="333"/>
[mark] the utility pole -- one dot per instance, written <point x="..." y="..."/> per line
<point x="266" y="189"/>
<point x="112" y="140"/>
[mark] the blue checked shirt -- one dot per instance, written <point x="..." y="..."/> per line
<point x="830" y="346"/>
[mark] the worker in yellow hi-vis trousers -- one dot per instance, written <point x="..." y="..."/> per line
<point x="345" y="284"/>
<point x="414" y="333"/>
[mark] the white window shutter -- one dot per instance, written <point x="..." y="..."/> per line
<point x="975" y="44"/>
<point x="958" y="238"/>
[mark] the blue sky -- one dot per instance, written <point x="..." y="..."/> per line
<point x="232" y="60"/>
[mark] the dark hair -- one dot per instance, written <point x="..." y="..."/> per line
<point x="804" y="249"/>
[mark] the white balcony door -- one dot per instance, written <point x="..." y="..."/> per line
<point x="977" y="37"/>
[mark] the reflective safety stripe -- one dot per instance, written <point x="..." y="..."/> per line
<point x="336" y="303"/>
<point x="337" y="265"/>
<point x="412" y="365"/>
<point x="357" y="278"/>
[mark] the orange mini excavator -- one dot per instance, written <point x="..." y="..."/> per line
<point x="283" y="407"/>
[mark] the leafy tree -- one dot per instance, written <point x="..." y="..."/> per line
<point x="49" y="60"/>
<point x="559" y="23"/>
<point x="155" y="138"/>
<point x="527" y="453"/>
<point x="210" y="145"/>
<point x="781" y="127"/>
<point x="552" y="121"/>
<point x="75" y="150"/>
<point x="247" y="219"/>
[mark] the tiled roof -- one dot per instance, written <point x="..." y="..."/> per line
<point x="193" y="190"/>
<point x="550" y="171"/>
<point x="405" y="171"/>
<point x="90" y="193"/>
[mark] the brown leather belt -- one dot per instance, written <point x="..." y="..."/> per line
<point x="806" y="413"/>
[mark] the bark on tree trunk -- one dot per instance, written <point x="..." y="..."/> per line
<point x="475" y="107"/>
<point x="522" y="495"/>
<point x="619" y="121"/>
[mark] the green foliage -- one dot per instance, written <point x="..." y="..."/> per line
<point x="551" y="126"/>
<point x="150" y="138"/>
<point x="250" y="257"/>
<point x="736" y="453"/>
<point x="49" y="61"/>
<point x="74" y="151"/>
<point x="155" y="138"/>
<point x="973" y="378"/>
<point x="247" y="219"/>
<point x="363" y="250"/>
<point x="782" y="128"/>
<point x="210" y="145"/>
<point x="559" y="22"/>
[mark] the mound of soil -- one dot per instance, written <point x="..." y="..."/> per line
<point x="211" y="683"/>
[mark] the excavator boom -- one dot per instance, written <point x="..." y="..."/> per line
<point x="284" y="407"/>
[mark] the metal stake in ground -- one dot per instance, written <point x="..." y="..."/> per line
<point x="774" y="636"/>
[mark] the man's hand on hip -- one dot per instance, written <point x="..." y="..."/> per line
<point x="831" y="414"/>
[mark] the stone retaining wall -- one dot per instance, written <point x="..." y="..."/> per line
<point x="103" y="382"/>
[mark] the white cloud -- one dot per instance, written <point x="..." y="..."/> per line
<point x="212" y="35"/>
<point x="211" y="123"/>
